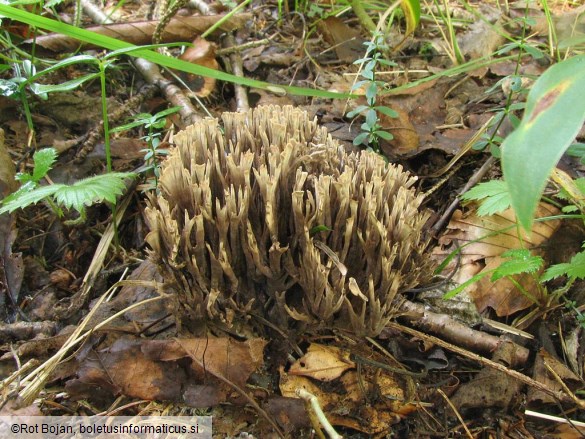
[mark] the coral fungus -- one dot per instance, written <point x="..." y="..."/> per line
<point x="269" y="215"/>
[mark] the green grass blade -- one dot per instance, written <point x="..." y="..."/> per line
<point x="157" y="58"/>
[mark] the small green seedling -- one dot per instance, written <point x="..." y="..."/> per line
<point x="76" y="196"/>
<point x="152" y="123"/>
<point x="371" y="129"/>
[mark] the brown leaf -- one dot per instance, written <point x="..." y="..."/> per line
<point x="289" y="413"/>
<point x="225" y="357"/>
<point x="8" y="184"/>
<point x="123" y="369"/>
<point x="139" y="33"/>
<point x="202" y="53"/>
<point x="484" y="239"/>
<point x="406" y="139"/>
<point x="503" y="295"/>
<point x="346" y="41"/>
<point x="11" y="264"/>
<point x="323" y="363"/>
<point x="479" y="233"/>
<point x="543" y="364"/>
<point x="490" y="387"/>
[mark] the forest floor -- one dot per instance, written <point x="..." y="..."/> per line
<point x="75" y="334"/>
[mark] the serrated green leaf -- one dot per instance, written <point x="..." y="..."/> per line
<point x="494" y="194"/>
<point x="574" y="269"/>
<point x="43" y="162"/>
<point x="521" y="262"/>
<point x="555" y="271"/>
<point x="516" y="253"/>
<point x="92" y="190"/>
<point x="484" y="190"/>
<point x="28" y="198"/>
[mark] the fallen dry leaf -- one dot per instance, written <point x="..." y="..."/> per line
<point x="482" y="241"/>
<point x="346" y="41"/>
<point x="490" y="387"/>
<point x="156" y="370"/>
<point x="11" y="264"/>
<point x="323" y="363"/>
<point x="201" y="53"/>
<point x="543" y="363"/>
<point x="370" y="401"/>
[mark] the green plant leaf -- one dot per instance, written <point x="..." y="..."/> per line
<point x="9" y="89"/>
<point x="494" y="194"/>
<point x="555" y="111"/>
<point x="44" y="160"/>
<point x="92" y="190"/>
<point x="356" y="111"/>
<point x="574" y="269"/>
<point x="155" y="57"/>
<point x="361" y="138"/>
<point x="384" y="135"/>
<point x="386" y="111"/>
<point x="40" y="89"/>
<point x="28" y="198"/>
<point x="411" y="10"/>
<point x="521" y="261"/>
<point x="78" y="195"/>
<point x="371" y="118"/>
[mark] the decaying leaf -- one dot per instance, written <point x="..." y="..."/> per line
<point x="482" y="240"/>
<point x="546" y="366"/>
<point x="343" y="399"/>
<point x="157" y="370"/>
<point x="201" y="53"/>
<point x="490" y="387"/>
<point x="232" y="224"/>
<point x="323" y="363"/>
<point x="345" y="40"/>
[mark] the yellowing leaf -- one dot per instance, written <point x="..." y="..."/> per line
<point x="411" y="10"/>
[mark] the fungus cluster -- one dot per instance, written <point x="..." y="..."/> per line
<point x="268" y="215"/>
